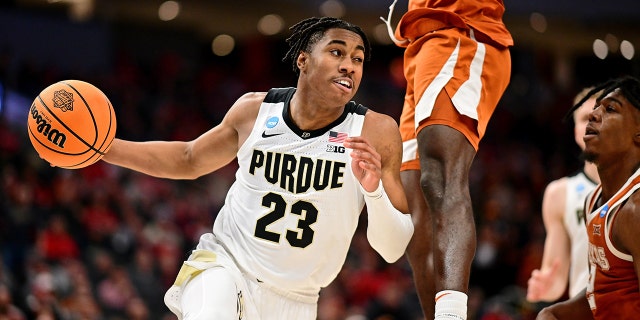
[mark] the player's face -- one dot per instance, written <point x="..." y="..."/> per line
<point x="612" y="129"/>
<point x="581" y="118"/>
<point x="335" y="64"/>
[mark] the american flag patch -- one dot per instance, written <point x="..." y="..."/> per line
<point x="337" y="137"/>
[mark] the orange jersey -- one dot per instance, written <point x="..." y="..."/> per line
<point x="484" y="16"/>
<point x="613" y="291"/>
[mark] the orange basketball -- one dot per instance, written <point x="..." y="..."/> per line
<point x="71" y="124"/>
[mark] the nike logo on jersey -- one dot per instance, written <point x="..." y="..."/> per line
<point x="265" y="135"/>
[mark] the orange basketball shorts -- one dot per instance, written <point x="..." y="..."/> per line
<point x="474" y="75"/>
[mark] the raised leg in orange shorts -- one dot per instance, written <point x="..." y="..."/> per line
<point x="454" y="84"/>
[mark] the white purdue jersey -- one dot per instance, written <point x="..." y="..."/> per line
<point x="289" y="217"/>
<point x="578" y="187"/>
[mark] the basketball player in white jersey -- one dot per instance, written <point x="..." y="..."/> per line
<point x="565" y="248"/>
<point x="309" y="160"/>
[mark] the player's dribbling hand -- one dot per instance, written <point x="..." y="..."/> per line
<point x="366" y="162"/>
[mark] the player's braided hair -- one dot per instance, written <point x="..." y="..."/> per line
<point x="629" y="88"/>
<point x="308" y="32"/>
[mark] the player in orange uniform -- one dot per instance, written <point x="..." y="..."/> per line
<point x="457" y="65"/>
<point x="612" y="140"/>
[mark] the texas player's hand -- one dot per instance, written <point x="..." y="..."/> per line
<point x="366" y="163"/>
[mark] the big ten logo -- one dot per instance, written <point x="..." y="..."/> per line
<point x="335" y="149"/>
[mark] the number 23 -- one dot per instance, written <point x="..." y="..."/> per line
<point x="300" y="238"/>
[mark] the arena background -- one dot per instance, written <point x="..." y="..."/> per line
<point x="104" y="243"/>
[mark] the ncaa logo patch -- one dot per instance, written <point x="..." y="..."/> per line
<point x="604" y="210"/>
<point x="272" y="122"/>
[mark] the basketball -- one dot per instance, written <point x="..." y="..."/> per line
<point x="71" y="124"/>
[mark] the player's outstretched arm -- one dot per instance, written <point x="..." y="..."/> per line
<point x="550" y="281"/>
<point x="190" y="159"/>
<point x="376" y="157"/>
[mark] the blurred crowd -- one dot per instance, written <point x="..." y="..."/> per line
<point x="105" y="243"/>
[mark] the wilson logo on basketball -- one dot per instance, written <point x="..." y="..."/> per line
<point x="63" y="100"/>
<point x="44" y="127"/>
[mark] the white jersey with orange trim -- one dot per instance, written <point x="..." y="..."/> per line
<point x="578" y="187"/>
<point x="289" y="217"/>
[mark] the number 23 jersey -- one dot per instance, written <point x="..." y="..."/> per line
<point x="289" y="217"/>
